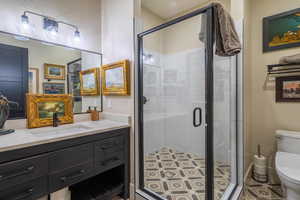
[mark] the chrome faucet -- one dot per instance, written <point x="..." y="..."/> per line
<point x="55" y="120"/>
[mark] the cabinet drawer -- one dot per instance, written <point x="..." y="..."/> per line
<point x="27" y="191"/>
<point x="108" y="161"/>
<point x="110" y="145"/>
<point x="24" y="170"/>
<point x="70" y="176"/>
<point x="70" y="157"/>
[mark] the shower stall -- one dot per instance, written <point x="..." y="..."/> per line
<point x="189" y="116"/>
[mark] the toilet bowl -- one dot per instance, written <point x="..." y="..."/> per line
<point x="288" y="169"/>
<point x="287" y="163"/>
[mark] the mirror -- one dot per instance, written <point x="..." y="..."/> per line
<point x="31" y="66"/>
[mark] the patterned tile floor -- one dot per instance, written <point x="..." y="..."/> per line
<point x="181" y="176"/>
<point x="259" y="191"/>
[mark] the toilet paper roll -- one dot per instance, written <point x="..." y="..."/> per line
<point x="261" y="170"/>
<point x="260" y="161"/>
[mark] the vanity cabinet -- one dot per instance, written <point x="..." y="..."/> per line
<point x="69" y="166"/>
<point x="108" y="153"/>
<point x="22" y="171"/>
<point x="36" y="171"/>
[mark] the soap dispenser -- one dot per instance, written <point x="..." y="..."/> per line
<point x="95" y="114"/>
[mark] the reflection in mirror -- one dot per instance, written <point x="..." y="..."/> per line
<point x="31" y="66"/>
<point x="74" y="69"/>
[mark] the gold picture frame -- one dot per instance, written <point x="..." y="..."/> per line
<point x="116" y="78"/>
<point x="56" y="72"/>
<point x="40" y="109"/>
<point x="89" y="82"/>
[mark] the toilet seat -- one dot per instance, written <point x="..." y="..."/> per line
<point x="288" y="166"/>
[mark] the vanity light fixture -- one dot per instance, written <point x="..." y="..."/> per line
<point x="25" y="21"/>
<point x="77" y="36"/>
<point x="49" y="23"/>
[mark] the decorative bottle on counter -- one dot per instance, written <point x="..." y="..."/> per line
<point x="95" y="114"/>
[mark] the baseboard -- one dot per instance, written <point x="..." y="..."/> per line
<point x="248" y="171"/>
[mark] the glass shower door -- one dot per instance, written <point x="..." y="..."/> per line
<point x="189" y="141"/>
<point x="174" y="111"/>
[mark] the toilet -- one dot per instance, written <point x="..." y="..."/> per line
<point x="287" y="162"/>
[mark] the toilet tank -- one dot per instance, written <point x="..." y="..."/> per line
<point x="288" y="141"/>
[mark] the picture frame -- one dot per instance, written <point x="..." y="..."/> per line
<point x="40" y="109"/>
<point x="281" y="31"/>
<point x="288" y="89"/>
<point x="89" y="82"/>
<point x="33" y="80"/>
<point x="53" y="88"/>
<point x="55" y="72"/>
<point x="116" y="78"/>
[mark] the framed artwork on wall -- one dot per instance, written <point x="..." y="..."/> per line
<point x="281" y="31"/>
<point x="41" y="107"/>
<point x="33" y="80"/>
<point x="53" y="88"/>
<point x="288" y="89"/>
<point x="116" y="78"/>
<point x="56" y="72"/>
<point x="89" y="82"/>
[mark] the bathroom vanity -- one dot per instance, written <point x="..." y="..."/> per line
<point x="37" y="162"/>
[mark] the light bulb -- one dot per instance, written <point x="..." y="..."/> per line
<point x="25" y="26"/>
<point x="53" y="32"/>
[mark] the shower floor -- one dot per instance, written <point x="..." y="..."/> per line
<point x="181" y="176"/>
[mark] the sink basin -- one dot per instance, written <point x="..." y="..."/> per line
<point x="60" y="130"/>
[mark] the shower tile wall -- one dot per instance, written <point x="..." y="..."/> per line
<point x="224" y="108"/>
<point x="189" y="84"/>
<point x="171" y="81"/>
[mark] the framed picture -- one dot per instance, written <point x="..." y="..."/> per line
<point x="41" y="107"/>
<point x="56" y="72"/>
<point x="89" y="82"/>
<point x="116" y="78"/>
<point x="33" y="80"/>
<point x="53" y="88"/>
<point x="288" y="89"/>
<point x="281" y="31"/>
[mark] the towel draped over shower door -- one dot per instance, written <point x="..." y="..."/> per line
<point x="226" y="38"/>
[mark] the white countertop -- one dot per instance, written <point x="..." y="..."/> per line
<point x="22" y="138"/>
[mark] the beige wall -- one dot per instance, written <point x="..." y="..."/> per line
<point x="85" y="14"/>
<point x="153" y="41"/>
<point x="181" y="33"/>
<point x="263" y="115"/>
<point x="118" y="44"/>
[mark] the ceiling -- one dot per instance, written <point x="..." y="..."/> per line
<point x="169" y="8"/>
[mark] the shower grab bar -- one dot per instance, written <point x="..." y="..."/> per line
<point x="200" y="117"/>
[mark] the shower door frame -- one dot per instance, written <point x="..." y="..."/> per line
<point x="209" y="99"/>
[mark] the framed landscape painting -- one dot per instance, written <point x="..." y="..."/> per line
<point x="89" y="82"/>
<point x="56" y="72"/>
<point x="53" y="88"/>
<point x="288" y="89"/>
<point x="116" y="78"/>
<point x="281" y="31"/>
<point x="41" y="107"/>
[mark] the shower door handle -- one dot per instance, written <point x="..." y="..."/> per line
<point x="197" y="110"/>
<point x="145" y="100"/>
